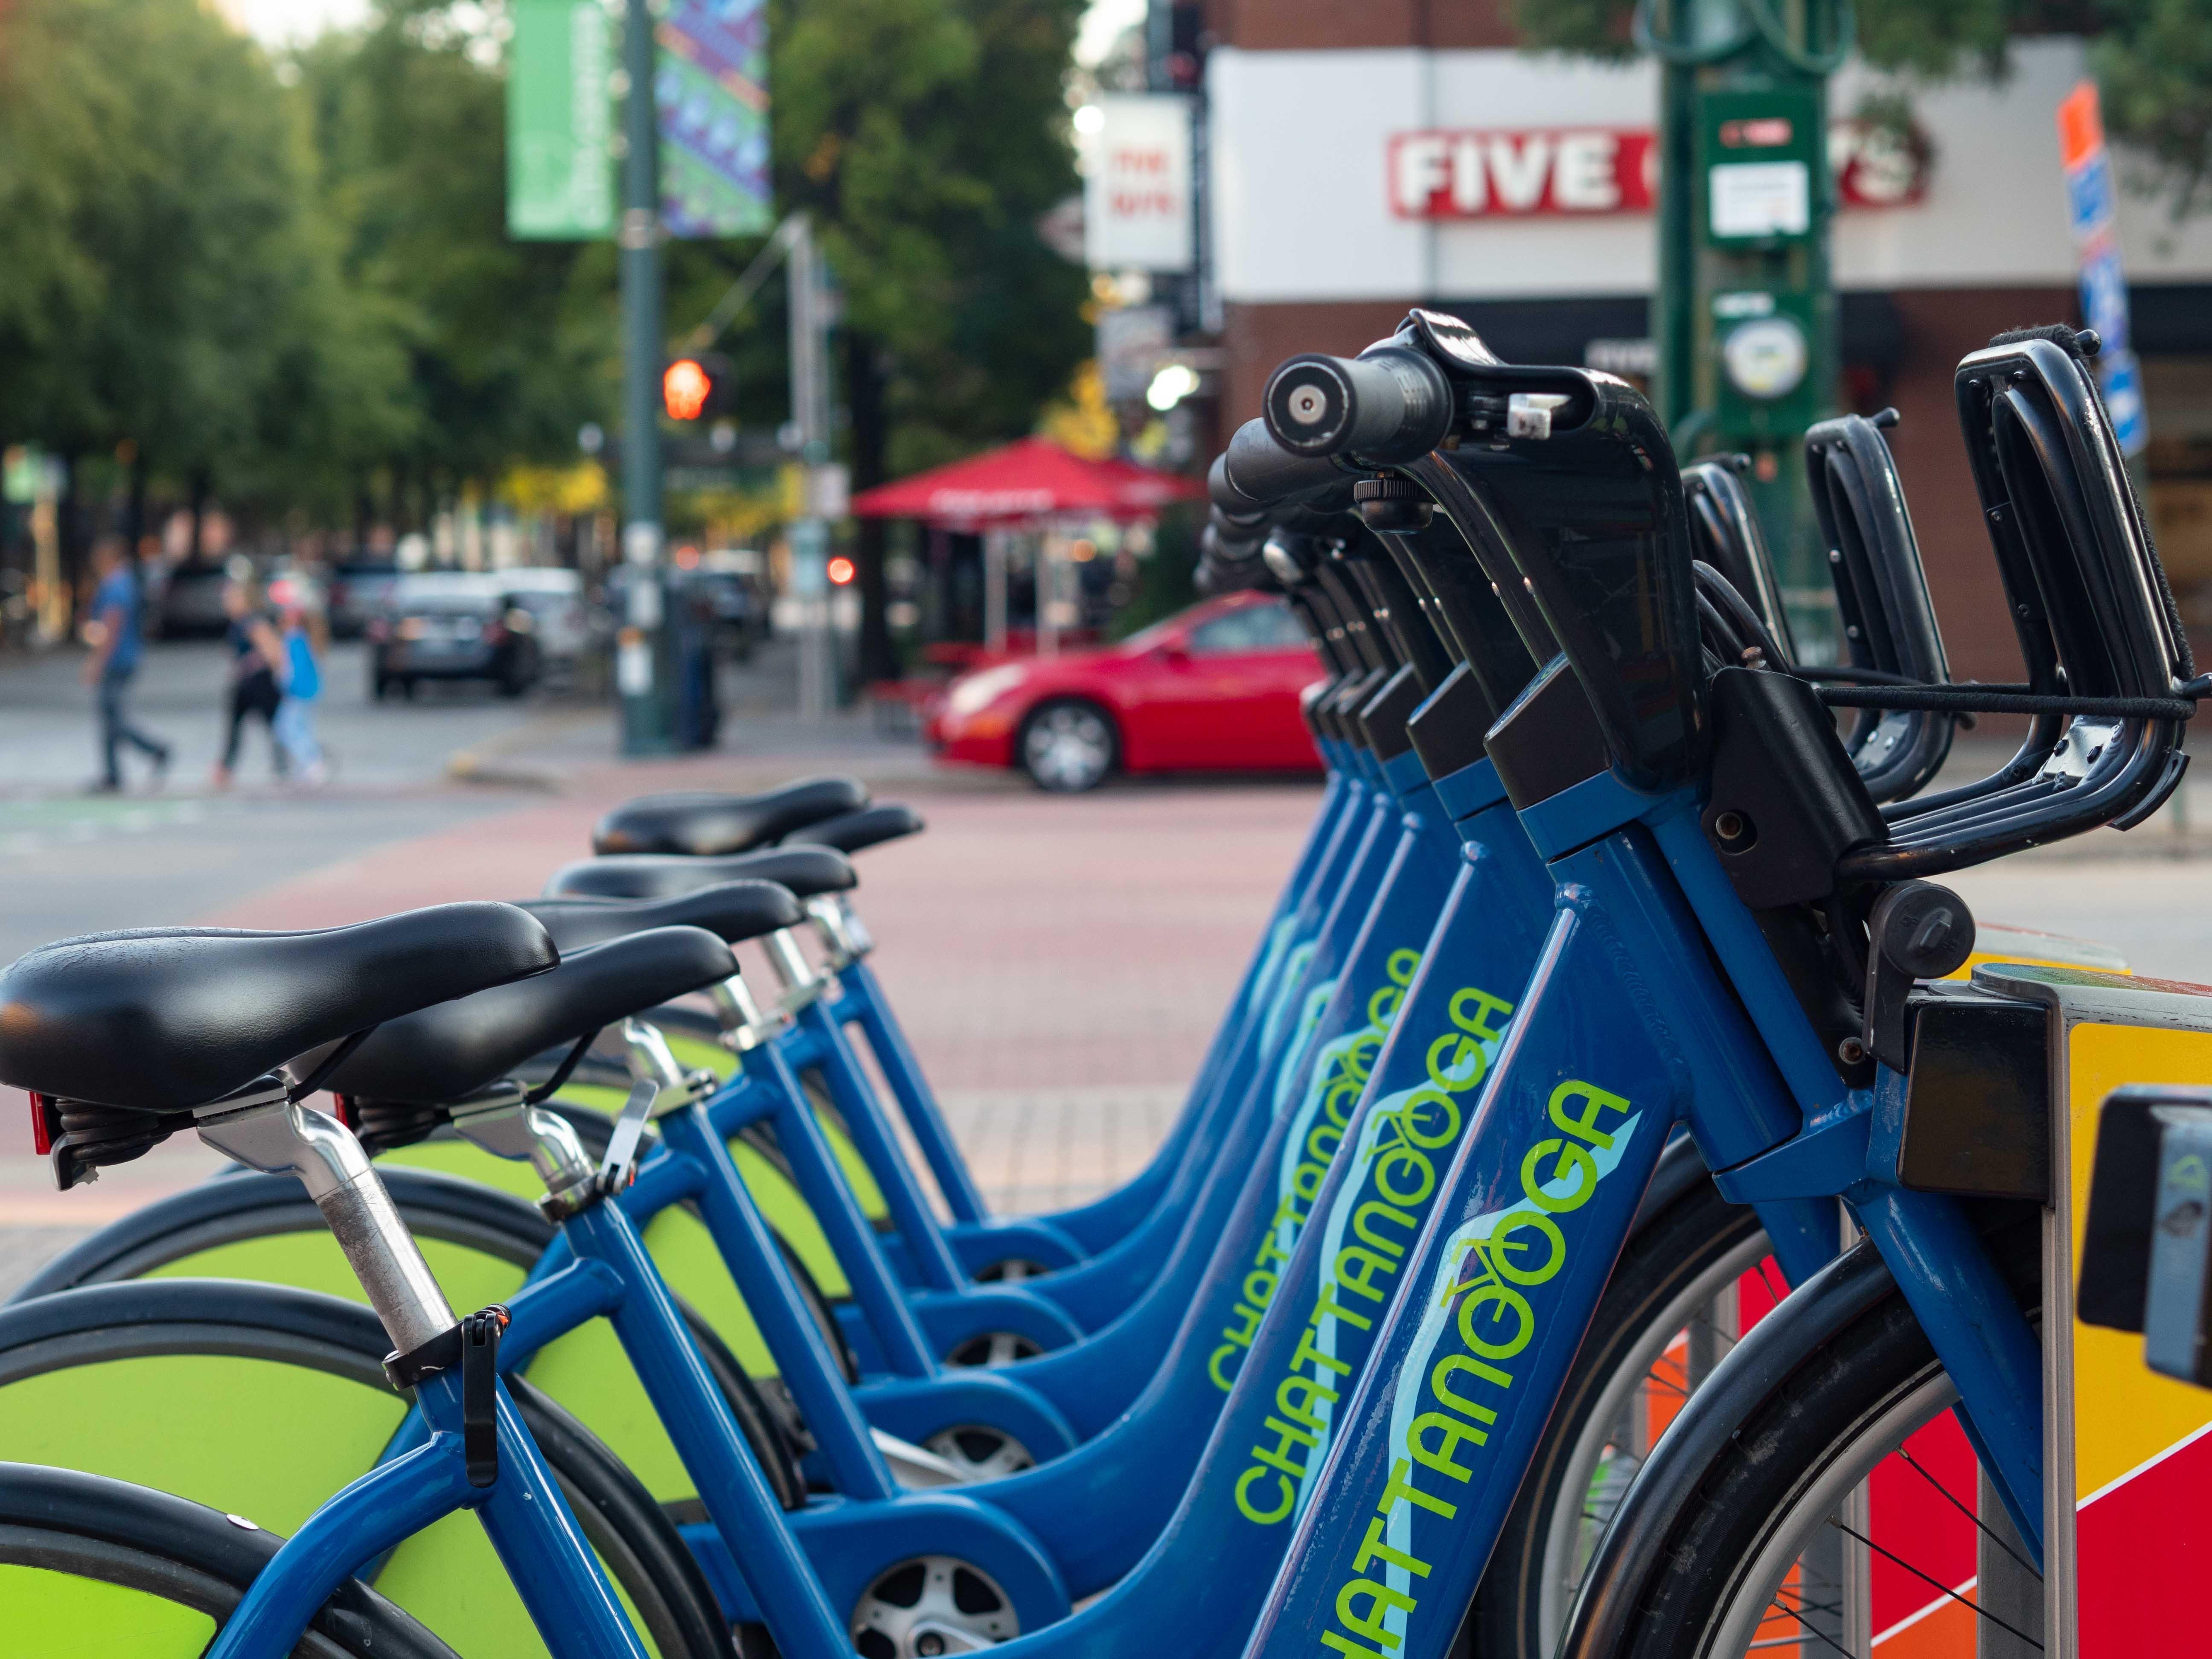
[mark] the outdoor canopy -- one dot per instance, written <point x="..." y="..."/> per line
<point x="1033" y="479"/>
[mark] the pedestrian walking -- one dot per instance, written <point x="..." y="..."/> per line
<point x="115" y="630"/>
<point x="294" y="728"/>
<point x="256" y="669"/>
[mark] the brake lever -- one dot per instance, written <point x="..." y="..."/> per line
<point x="619" y="1167"/>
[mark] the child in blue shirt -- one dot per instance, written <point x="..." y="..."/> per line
<point x="294" y="725"/>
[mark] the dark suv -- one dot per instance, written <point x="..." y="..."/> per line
<point x="450" y="626"/>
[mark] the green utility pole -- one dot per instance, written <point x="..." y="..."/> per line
<point x="645" y="657"/>
<point x="1745" y="317"/>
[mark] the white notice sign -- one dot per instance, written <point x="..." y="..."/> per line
<point x="1137" y="205"/>
<point x="1761" y="198"/>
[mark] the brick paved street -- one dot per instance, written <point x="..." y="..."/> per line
<point x="1058" y="963"/>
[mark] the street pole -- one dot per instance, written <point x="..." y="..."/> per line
<point x="810" y="413"/>
<point x="645" y="665"/>
<point x="1745" y="317"/>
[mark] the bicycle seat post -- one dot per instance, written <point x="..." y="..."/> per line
<point x="840" y="928"/>
<point x="505" y="1123"/>
<point x="275" y="1135"/>
<point x="745" y="1024"/>
<point x="802" y="985"/>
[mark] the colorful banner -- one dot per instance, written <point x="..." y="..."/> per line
<point x="711" y="93"/>
<point x="2090" y="196"/>
<point x="560" y="176"/>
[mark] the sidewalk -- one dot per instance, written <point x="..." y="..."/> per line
<point x="1058" y="963"/>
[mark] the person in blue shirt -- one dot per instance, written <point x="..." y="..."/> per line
<point x="114" y="630"/>
<point x="294" y="725"/>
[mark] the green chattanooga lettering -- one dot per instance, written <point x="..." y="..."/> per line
<point x="1494" y="1322"/>
<point x="1402" y="1176"/>
<point x="1343" y="1082"/>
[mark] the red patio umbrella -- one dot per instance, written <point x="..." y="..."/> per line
<point x="1032" y="478"/>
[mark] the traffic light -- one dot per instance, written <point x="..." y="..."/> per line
<point x="695" y="388"/>
<point x="841" y="571"/>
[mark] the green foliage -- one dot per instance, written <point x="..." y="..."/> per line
<point x="292" y="278"/>
<point x="927" y="137"/>
<point x="169" y="280"/>
<point x="1935" y="38"/>
<point x="2153" y="64"/>
<point x="507" y="346"/>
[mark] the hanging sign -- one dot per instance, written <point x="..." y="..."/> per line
<point x="560" y="176"/>
<point x="2090" y="196"/>
<point x="1137" y="211"/>
<point x="711" y="92"/>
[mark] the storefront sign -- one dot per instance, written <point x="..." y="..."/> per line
<point x="1137" y="205"/>
<point x="1529" y="173"/>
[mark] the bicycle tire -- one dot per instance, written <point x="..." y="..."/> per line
<point x="136" y="1320"/>
<point x="1687" y="1238"/>
<point x="1825" y="1387"/>
<point x="80" y="1531"/>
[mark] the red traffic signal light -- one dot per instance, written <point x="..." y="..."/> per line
<point x="840" y="571"/>
<point x="686" y="388"/>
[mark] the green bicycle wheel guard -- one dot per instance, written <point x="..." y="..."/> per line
<point x="250" y="1437"/>
<point x="51" y="1616"/>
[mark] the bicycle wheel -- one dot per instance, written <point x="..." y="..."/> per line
<point x="271" y="1398"/>
<point x="89" y="1564"/>
<point x="481" y="1243"/>
<point x="1670" y="1312"/>
<point x="1753" y="1530"/>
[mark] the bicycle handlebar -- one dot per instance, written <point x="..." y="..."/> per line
<point x="1393" y="405"/>
<point x="1255" y="473"/>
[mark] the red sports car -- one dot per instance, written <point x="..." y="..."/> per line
<point x="1212" y="689"/>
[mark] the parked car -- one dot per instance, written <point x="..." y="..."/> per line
<point x="359" y="589"/>
<point x="189" y="603"/>
<point x="553" y="596"/>
<point x="449" y="626"/>
<point x="1212" y="689"/>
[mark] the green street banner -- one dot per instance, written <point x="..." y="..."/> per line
<point x="560" y="173"/>
<point x="710" y="93"/>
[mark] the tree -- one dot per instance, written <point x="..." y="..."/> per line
<point x="926" y="137"/>
<point x="507" y="347"/>
<point x="170" y="285"/>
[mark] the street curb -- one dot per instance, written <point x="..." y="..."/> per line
<point x="465" y="766"/>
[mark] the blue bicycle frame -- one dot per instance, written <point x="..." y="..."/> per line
<point x="1060" y="1239"/>
<point x="764" y="1566"/>
<point x="529" y="1522"/>
<point x="1625" y="1029"/>
<point x="945" y="1307"/>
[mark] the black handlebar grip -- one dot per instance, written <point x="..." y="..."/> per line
<point x="1255" y="473"/>
<point x="1391" y="405"/>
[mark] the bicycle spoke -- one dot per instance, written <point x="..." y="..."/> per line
<point x="1979" y="1611"/>
<point x="1980" y="1523"/>
<point x="1811" y="1629"/>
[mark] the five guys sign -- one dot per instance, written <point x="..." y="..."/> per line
<point x="1528" y="172"/>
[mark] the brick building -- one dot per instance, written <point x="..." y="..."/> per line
<point x="1311" y="247"/>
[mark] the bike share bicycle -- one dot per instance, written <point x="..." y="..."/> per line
<point x="1271" y="1336"/>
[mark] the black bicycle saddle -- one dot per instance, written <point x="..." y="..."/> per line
<point x="165" y="1019"/>
<point x="806" y="870"/>
<point x="702" y="823"/>
<point x="731" y="910"/>
<point x="848" y="832"/>
<point x="450" y="1050"/>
